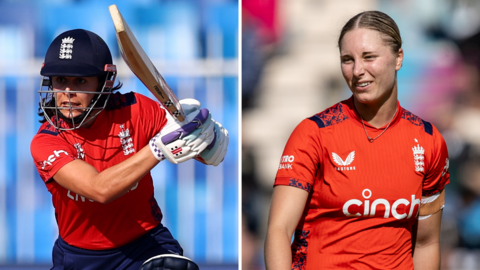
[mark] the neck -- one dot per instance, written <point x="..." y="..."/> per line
<point x="86" y="124"/>
<point x="90" y="119"/>
<point x="380" y="113"/>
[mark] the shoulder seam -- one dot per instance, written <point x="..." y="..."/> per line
<point x="417" y="121"/>
<point x="317" y="120"/>
<point x="119" y="100"/>
<point x="428" y="127"/>
<point x="331" y="116"/>
<point x="49" y="132"/>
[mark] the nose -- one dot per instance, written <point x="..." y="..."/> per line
<point x="69" y="86"/>
<point x="358" y="69"/>
<point x="68" y="92"/>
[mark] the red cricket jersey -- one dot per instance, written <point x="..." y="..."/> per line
<point x="363" y="197"/>
<point x="122" y="129"/>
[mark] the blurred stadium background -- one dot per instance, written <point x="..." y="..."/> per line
<point x="194" y="44"/>
<point x="291" y="70"/>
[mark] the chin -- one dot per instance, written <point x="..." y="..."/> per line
<point x="365" y="98"/>
<point x="67" y="114"/>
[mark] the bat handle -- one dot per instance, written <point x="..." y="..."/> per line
<point x="183" y="131"/>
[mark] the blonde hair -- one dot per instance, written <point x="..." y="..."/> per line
<point x="377" y="21"/>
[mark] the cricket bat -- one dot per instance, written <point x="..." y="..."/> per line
<point x="139" y="63"/>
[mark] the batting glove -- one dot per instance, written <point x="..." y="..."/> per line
<point x="181" y="141"/>
<point x="216" y="151"/>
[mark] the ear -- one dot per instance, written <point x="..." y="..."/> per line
<point x="399" y="59"/>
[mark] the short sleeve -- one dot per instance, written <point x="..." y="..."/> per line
<point x="437" y="176"/>
<point x="50" y="153"/>
<point x="152" y="114"/>
<point x="301" y="157"/>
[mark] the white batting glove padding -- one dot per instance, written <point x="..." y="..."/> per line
<point x="181" y="141"/>
<point x="190" y="107"/>
<point x="215" y="155"/>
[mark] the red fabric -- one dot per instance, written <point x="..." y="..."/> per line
<point x="82" y="222"/>
<point x="360" y="213"/>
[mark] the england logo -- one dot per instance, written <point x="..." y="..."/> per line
<point x="80" y="151"/>
<point x="342" y="163"/>
<point x="418" y="157"/>
<point x="66" y="48"/>
<point x="126" y="141"/>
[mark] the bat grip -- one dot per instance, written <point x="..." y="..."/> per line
<point x="188" y="128"/>
<point x="183" y="131"/>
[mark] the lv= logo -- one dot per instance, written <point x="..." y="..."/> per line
<point x="344" y="164"/>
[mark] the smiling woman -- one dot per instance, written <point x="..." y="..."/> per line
<point x="364" y="212"/>
<point x="371" y="55"/>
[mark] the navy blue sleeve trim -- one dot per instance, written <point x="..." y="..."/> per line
<point x="428" y="127"/>
<point x="317" y="120"/>
<point x="296" y="183"/>
<point x="54" y="133"/>
<point x="118" y="101"/>
<point x="131" y="99"/>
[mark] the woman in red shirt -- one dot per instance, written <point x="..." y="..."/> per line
<point x="362" y="183"/>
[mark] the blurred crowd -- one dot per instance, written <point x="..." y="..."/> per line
<point x="440" y="82"/>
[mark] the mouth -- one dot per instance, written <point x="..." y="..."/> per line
<point x="362" y="85"/>
<point x="68" y="105"/>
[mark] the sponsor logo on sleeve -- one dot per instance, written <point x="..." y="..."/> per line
<point x="344" y="165"/>
<point x="286" y="162"/>
<point x="445" y="169"/>
<point x="52" y="158"/>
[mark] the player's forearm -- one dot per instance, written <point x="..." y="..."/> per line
<point x="427" y="257"/>
<point x="278" y="254"/>
<point x="427" y="246"/>
<point x="117" y="180"/>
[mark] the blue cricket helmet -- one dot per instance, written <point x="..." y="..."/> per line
<point x="77" y="53"/>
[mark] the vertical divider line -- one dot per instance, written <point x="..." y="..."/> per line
<point x="3" y="176"/>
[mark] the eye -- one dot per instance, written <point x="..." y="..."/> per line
<point x="346" y="60"/>
<point x="60" y="79"/>
<point x="81" y="80"/>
